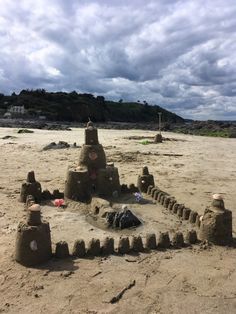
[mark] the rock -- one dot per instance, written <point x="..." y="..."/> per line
<point x="122" y="219"/>
<point x="59" y="145"/>
<point x="24" y="131"/>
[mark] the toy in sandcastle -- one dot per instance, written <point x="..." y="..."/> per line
<point x="216" y="223"/>
<point x="33" y="239"/>
<point x="92" y="176"/>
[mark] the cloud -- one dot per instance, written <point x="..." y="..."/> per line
<point x="177" y="54"/>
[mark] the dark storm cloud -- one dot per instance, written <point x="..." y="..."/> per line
<point x="177" y="54"/>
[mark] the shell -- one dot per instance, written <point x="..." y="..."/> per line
<point x="33" y="245"/>
<point x="217" y="197"/>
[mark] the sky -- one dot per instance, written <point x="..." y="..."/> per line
<point x="180" y="55"/>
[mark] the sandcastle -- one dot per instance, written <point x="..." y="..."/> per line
<point x="33" y="239"/>
<point x="92" y="180"/>
<point x="216" y="223"/>
<point x="92" y="175"/>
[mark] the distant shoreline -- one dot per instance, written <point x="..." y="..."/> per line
<point x="201" y="128"/>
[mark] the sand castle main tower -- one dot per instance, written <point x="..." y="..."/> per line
<point x="92" y="176"/>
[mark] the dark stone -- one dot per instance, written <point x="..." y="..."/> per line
<point x="21" y="131"/>
<point x="123" y="219"/>
<point x="59" y="145"/>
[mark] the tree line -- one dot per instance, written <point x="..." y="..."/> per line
<point x="62" y="106"/>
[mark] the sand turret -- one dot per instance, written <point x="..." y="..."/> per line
<point x="31" y="187"/>
<point x="216" y="223"/>
<point x="145" y="180"/>
<point x="33" y="239"/>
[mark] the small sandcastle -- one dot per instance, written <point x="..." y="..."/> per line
<point x="92" y="176"/>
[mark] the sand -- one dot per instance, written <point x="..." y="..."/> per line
<point x="191" y="280"/>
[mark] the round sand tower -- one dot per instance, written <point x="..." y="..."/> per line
<point x="33" y="239"/>
<point x="216" y="223"/>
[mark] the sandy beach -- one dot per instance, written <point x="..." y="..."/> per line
<point x="190" y="280"/>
